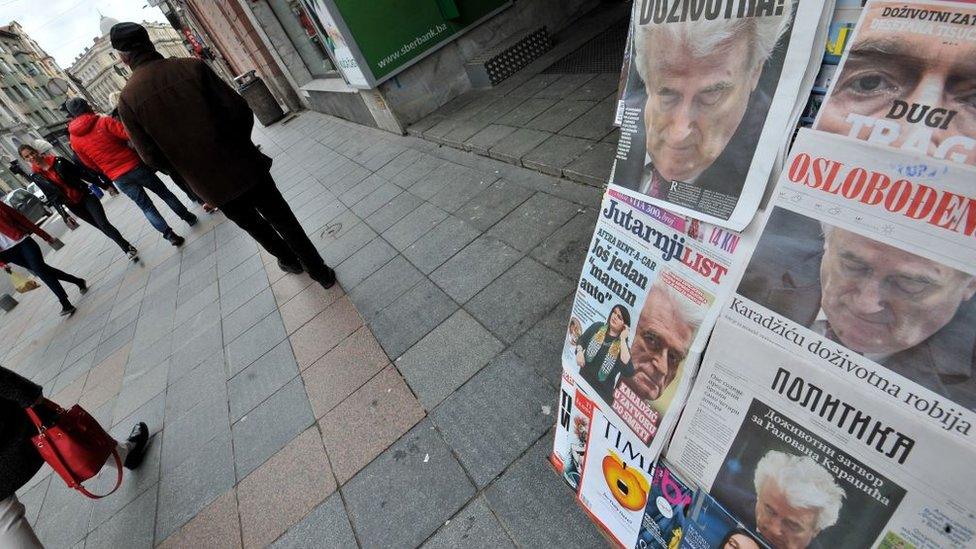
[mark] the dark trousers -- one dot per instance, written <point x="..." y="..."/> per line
<point x="267" y="217"/>
<point x="28" y="255"/>
<point x="92" y="212"/>
<point x="134" y="184"/>
<point x="185" y="187"/>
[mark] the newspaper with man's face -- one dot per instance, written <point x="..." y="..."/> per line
<point x="646" y="299"/>
<point x="713" y="89"/>
<point x="908" y="80"/>
<point x="836" y="400"/>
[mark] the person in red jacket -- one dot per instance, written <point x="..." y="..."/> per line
<point x="17" y="247"/>
<point x="101" y="143"/>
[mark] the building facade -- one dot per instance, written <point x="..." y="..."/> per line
<point x="33" y="89"/>
<point x="294" y="50"/>
<point x="102" y="73"/>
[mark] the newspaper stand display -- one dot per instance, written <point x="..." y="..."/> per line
<point x="804" y="376"/>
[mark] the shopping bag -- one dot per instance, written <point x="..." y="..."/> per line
<point x="75" y="445"/>
<point x="22" y="283"/>
<point x="71" y="223"/>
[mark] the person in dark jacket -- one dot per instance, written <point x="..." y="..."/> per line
<point x="63" y="183"/>
<point x="17" y="247"/>
<point x="101" y="143"/>
<point x="181" y="116"/>
<point x="20" y="461"/>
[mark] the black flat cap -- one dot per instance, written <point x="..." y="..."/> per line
<point x="130" y="37"/>
<point x="77" y="106"/>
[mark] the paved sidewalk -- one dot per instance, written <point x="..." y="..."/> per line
<point x="410" y="405"/>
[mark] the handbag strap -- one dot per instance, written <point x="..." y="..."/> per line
<point x="118" y="479"/>
<point x="54" y="454"/>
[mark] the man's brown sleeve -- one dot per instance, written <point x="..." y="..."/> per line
<point x="140" y="139"/>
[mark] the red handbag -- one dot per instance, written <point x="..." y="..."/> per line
<point x="75" y="446"/>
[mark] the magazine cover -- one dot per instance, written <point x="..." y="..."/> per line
<point x="709" y="98"/>
<point x="711" y="526"/>
<point x="616" y="481"/>
<point x="572" y="431"/>
<point x="907" y="80"/>
<point x="667" y="509"/>
<point x="845" y="17"/>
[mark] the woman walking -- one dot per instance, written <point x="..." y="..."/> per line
<point x="17" y="247"/>
<point x="20" y="461"/>
<point x="61" y="181"/>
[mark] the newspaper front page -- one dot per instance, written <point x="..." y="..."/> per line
<point x="835" y="403"/>
<point x="806" y="459"/>
<point x="907" y="80"/>
<point x="647" y="296"/>
<point x="710" y="98"/>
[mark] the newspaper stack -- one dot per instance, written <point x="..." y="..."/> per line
<point x="835" y="401"/>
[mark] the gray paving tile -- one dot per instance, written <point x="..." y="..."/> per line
<point x="184" y="436"/>
<point x="404" y="232"/>
<point x="338" y="250"/>
<point x="384" y="218"/>
<point x="261" y="379"/>
<point x="63" y="519"/>
<point x="416" y="482"/>
<point x="474" y="527"/>
<point x="447" y="357"/>
<point x="594" y="124"/>
<point x="535" y="84"/>
<point x="189" y="328"/>
<point x="533" y="220"/>
<point x="593" y="166"/>
<point x="555" y="153"/>
<point x="462" y="131"/>
<point x="558" y="116"/>
<point x="440" y="243"/>
<point x="482" y="141"/>
<point x="326" y="527"/>
<point x="596" y="89"/>
<point x="206" y="381"/>
<point x="474" y="267"/>
<point x="488" y="434"/>
<point x="132" y="527"/>
<point x="525" y="112"/>
<point x="193" y="307"/>
<point x="254" y="342"/>
<point x="417" y="171"/>
<point x="564" y="250"/>
<point x="411" y="317"/>
<point x="270" y="426"/>
<point x="399" y="163"/>
<point x="192" y="353"/>
<point x="376" y="200"/>
<point x="518" y="299"/>
<point x="189" y="488"/>
<point x="513" y="148"/>
<point x="242" y="292"/>
<point x="361" y="190"/>
<point x="529" y="494"/>
<point x="247" y="315"/>
<point x="140" y="388"/>
<point x="542" y="345"/>
<point x="487" y="208"/>
<point x="364" y="262"/>
<point x="384" y="286"/>
<point x="451" y="185"/>
<point x="113" y="343"/>
<point x="565" y="85"/>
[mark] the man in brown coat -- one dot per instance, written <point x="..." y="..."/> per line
<point x="182" y="117"/>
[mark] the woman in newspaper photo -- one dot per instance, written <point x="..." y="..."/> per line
<point x="603" y="352"/>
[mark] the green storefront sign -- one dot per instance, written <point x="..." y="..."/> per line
<point x="386" y="36"/>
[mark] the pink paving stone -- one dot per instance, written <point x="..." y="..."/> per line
<point x="105" y="380"/>
<point x="308" y="303"/>
<point x="287" y="487"/>
<point x="216" y="527"/>
<point x="325" y="331"/>
<point x="343" y="370"/>
<point x="289" y="286"/>
<point x="369" y="421"/>
<point x="69" y="395"/>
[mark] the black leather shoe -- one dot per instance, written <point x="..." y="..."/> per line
<point x="140" y="439"/>
<point x="68" y="310"/>
<point x="291" y="268"/>
<point x="173" y="238"/>
<point x="83" y="287"/>
<point x="327" y="277"/>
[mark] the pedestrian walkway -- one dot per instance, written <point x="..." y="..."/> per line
<point x="411" y="404"/>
